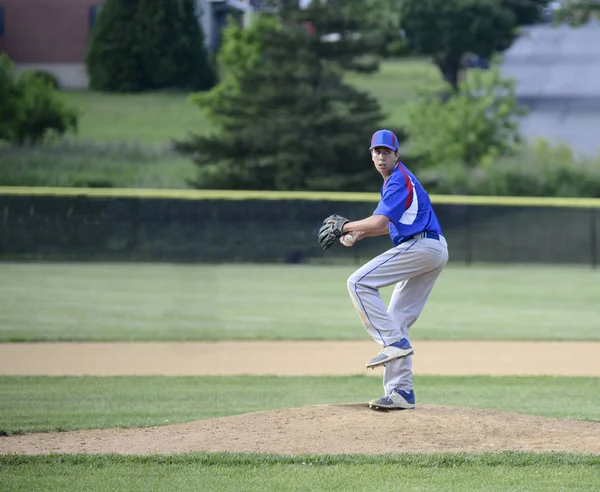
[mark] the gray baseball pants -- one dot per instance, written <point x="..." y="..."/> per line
<point x="414" y="266"/>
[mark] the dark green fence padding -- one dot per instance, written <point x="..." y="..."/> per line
<point x="222" y="226"/>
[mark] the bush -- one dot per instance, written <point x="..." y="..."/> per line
<point x="397" y="48"/>
<point x="31" y="110"/>
<point x="477" y="125"/>
<point x="47" y="78"/>
<point x="540" y="169"/>
<point x="42" y="114"/>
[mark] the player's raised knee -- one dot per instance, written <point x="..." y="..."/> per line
<point x="353" y="281"/>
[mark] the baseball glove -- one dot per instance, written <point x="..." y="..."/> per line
<point x="331" y="230"/>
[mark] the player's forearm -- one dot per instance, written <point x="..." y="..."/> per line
<point x="375" y="223"/>
<point x="380" y="232"/>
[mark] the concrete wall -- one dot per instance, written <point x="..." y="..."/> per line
<point x="71" y="76"/>
<point x="557" y="70"/>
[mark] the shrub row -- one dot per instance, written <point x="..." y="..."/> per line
<point x="542" y="170"/>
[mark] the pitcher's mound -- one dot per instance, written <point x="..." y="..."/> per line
<point x="332" y="429"/>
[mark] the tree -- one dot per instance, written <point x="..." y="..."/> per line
<point x="141" y="45"/>
<point x="378" y="24"/>
<point x="173" y="52"/>
<point x="447" y="30"/>
<point x="285" y="119"/>
<point x="9" y="98"/>
<point x="477" y="124"/>
<point x="526" y="12"/>
<point x="114" y="59"/>
<point x="340" y="35"/>
<point x="30" y="108"/>
<point x="577" y="13"/>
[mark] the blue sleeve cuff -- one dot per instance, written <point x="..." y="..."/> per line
<point x="383" y="210"/>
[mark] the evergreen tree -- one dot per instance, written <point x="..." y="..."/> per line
<point x="338" y="34"/>
<point x="172" y="46"/>
<point x="141" y="45"/>
<point x="285" y="118"/>
<point x="9" y="98"/>
<point x="114" y="60"/>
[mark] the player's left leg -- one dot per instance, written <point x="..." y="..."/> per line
<point x="407" y="303"/>
<point x="399" y="264"/>
<point x="392" y="266"/>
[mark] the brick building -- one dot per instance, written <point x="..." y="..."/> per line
<point x="53" y="35"/>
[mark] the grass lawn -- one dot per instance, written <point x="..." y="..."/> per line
<point x="397" y="83"/>
<point x="37" y="404"/>
<point x="95" y="301"/>
<point x="152" y="120"/>
<point x="247" y="472"/>
<point x="160" y="117"/>
<point x="83" y="166"/>
<point x="51" y="403"/>
<point x="145" y="118"/>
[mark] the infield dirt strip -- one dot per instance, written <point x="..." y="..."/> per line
<point x="331" y="429"/>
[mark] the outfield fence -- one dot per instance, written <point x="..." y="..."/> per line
<point x="251" y="226"/>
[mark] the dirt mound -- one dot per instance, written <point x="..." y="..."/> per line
<point x="331" y="429"/>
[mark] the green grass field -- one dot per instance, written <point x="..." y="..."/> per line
<point x="39" y="404"/>
<point x="73" y="301"/>
<point x="79" y="301"/>
<point x="101" y="302"/>
<point x="49" y="403"/>
<point x="246" y="472"/>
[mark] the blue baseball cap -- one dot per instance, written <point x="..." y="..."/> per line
<point x="384" y="138"/>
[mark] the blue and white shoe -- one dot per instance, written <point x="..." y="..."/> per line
<point x="398" y="400"/>
<point x="396" y="350"/>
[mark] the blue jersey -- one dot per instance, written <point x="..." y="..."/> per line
<point x="406" y="204"/>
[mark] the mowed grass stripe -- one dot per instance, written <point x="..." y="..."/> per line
<point x="235" y="472"/>
<point x="168" y="302"/>
<point x="445" y="460"/>
<point x="38" y="404"/>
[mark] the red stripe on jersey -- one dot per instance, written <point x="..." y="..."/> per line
<point x="409" y="187"/>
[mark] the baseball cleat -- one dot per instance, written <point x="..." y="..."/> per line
<point x="396" y="350"/>
<point x="398" y="400"/>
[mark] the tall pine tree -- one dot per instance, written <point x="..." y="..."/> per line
<point x="174" y="53"/>
<point x="338" y="34"/>
<point x="114" y="59"/>
<point x="141" y="45"/>
<point x="285" y="119"/>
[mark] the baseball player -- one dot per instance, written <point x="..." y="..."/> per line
<point x="417" y="258"/>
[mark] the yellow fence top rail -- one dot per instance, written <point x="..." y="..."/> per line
<point x="186" y="194"/>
